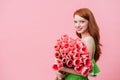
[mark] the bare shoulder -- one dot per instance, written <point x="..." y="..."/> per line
<point x="89" y="39"/>
<point x="89" y="42"/>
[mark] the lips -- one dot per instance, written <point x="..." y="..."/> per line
<point x="79" y="29"/>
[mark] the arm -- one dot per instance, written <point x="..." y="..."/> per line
<point x="89" y="42"/>
<point x="60" y="75"/>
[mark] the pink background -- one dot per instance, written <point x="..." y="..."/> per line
<point x="29" y="29"/>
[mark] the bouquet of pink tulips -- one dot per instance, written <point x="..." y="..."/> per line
<point x="72" y="53"/>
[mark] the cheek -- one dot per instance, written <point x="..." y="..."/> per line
<point x="75" y="25"/>
<point x="85" y="25"/>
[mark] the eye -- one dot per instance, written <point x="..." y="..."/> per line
<point x="82" y="21"/>
<point x="75" y="21"/>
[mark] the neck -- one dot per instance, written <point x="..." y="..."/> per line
<point x="85" y="34"/>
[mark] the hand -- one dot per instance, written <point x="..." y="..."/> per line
<point x="60" y="76"/>
<point x="92" y="75"/>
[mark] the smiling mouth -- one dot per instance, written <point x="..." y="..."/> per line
<point x="79" y="29"/>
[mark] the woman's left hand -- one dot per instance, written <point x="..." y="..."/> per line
<point x="59" y="75"/>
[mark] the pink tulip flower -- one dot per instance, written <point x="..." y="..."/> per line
<point x="63" y="54"/>
<point x="59" y="61"/>
<point x="60" y="65"/>
<point x="85" y="71"/>
<point x="64" y="38"/>
<point x="55" y="67"/>
<point x="88" y="62"/>
<point x="66" y="50"/>
<point x="76" y="62"/>
<point x="78" y="69"/>
<point x="70" y="53"/>
<point x="61" y="50"/>
<point x="72" y="48"/>
<point x="71" y="42"/>
<point x="68" y="56"/>
<point x="57" y="55"/>
<point x="69" y="63"/>
<point x="84" y="56"/>
<point x="59" y="42"/>
<point x="78" y="40"/>
<point x="57" y="47"/>
<point x="76" y="56"/>
<point x="64" y="60"/>
<point x="77" y="46"/>
<point x="84" y="49"/>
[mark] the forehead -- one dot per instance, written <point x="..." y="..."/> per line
<point x="77" y="17"/>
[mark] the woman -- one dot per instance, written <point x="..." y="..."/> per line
<point x="86" y="29"/>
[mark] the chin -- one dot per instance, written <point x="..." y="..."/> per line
<point x="80" y="32"/>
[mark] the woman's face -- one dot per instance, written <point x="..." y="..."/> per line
<point x="81" y="24"/>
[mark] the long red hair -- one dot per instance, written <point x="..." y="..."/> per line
<point x="92" y="29"/>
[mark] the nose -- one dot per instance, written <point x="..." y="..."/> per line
<point x="77" y="25"/>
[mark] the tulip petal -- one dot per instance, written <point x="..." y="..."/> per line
<point x="57" y="55"/>
<point x="78" y="69"/>
<point x="64" y="38"/>
<point x="76" y="62"/>
<point x="69" y="63"/>
<point x="55" y="67"/>
<point x="85" y="71"/>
